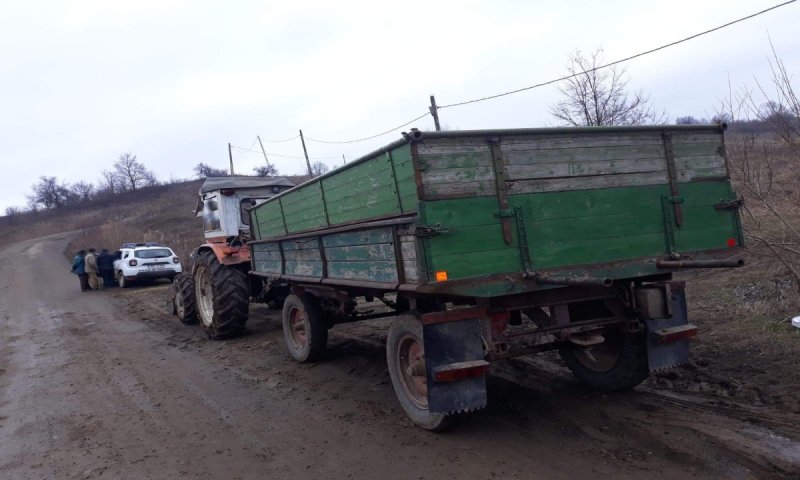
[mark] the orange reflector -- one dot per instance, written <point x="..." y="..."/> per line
<point x="460" y="371"/>
<point x="731" y="242"/>
<point x="441" y="276"/>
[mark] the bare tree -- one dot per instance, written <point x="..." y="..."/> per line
<point x="49" y="193"/>
<point x="318" y="168"/>
<point x="82" y="190"/>
<point x="109" y="182"/>
<point x="13" y="211"/>
<point x="600" y="96"/>
<point x="689" y="120"/>
<point x="764" y="168"/>
<point x="203" y="170"/>
<point x="266" y="171"/>
<point x="132" y="173"/>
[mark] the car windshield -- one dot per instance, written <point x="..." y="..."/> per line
<point x="153" y="253"/>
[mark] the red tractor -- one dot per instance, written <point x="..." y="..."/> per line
<point x="217" y="290"/>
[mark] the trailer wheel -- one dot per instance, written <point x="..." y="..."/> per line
<point x="405" y="356"/>
<point x="304" y="328"/>
<point x="222" y="297"/>
<point x="619" y="363"/>
<point x="184" y="299"/>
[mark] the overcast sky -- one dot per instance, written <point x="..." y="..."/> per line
<point x="173" y="82"/>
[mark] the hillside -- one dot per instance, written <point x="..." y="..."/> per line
<point x="163" y="213"/>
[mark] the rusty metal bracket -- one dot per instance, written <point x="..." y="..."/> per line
<point x="669" y="231"/>
<point x="522" y="237"/>
<point x="673" y="177"/>
<point x="498" y="162"/>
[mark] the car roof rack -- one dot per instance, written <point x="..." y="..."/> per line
<point x="142" y="244"/>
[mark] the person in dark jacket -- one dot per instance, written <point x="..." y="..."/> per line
<point x="79" y="269"/>
<point x="105" y="264"/>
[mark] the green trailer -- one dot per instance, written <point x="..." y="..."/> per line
<point x="490" y="244"/>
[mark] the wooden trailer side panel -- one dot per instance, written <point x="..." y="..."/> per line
<point x="580" y="199"/>
<point x="379" y="186"/>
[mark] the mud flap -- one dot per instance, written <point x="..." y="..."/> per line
<point x="448" y="343"/>
<point x="665" y="355"/>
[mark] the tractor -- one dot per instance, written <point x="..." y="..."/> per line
<point x="217" y="290"/>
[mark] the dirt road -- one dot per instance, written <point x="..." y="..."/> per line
<point x="107" y="385"/>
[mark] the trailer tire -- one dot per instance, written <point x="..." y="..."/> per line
<point x="184" y="299"/>
<point x="222" y="297"/>
<point x="620" y="365"/>
<point x="304" y="328"/>
<point x="403" y="344"/>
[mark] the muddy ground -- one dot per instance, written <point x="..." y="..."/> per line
<point x="108" y="385"/>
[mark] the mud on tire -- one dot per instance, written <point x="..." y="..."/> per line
<point x="222" y="295"/>
<point x="619" y="363"/>
<point x="183" y="298"/>
<point x="304" y="328"/>
<point x="403" y="344"/>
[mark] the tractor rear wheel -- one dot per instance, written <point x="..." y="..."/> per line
<point x="183" y="298"/>
<point x="222" y="295"/>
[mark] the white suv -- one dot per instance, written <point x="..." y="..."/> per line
<point x="145" y="261"/>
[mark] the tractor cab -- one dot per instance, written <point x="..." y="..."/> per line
<point x="224" y="204"/>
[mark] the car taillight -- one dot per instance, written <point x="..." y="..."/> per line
<point x="133" y="262"/>
<point x="175" y="260"/>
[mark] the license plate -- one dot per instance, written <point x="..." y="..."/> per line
<point x="157" y="267"/>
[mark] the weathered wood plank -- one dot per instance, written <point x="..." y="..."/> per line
<point x="411" y="271"/>
<point x="465" y="188"/>
<point x="376" y="252"/>
<point x="586" y="154"/>
<point x="372" y="270"/>
<point x="587" y="182"/>
<point x="359" y="237"/>
<point x="583" y="168"/>
<point x="455" y="160"/>
<point x="408" y="248"/>
<point x="305" y="268"/>
<point x="458" y="175"/>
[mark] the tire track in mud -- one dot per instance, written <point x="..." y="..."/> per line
<point x="536" y="396"/>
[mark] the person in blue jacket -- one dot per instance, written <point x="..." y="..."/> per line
<point x="79" y="269"/>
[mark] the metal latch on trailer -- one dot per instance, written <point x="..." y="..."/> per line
<point x="429" y="230"/>
<point x="730" y="204"/>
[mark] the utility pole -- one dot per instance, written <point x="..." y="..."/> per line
<point x="435" y="113"/>
<point x="262" y="149"/>
<point x="230" y="156"/>
<point x="344" y="160"/>
<point x="305" y="152"/>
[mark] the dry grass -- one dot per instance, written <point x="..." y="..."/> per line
<point x="162" y="214"/>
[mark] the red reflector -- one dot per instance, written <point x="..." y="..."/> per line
<point x="673" y="334"/>
<point x="731" y="242"/>
<point x="460" y="371"/>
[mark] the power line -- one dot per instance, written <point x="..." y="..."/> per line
<point x="279" y="141"/>
<point x="372" y="136"/>
<point x="242" y="149"/>
<point x="641" y="54"/>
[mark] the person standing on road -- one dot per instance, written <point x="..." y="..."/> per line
<point x="79" y="269"/>
<point x="105" y="264"/>
<point x="91" y="269"/>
